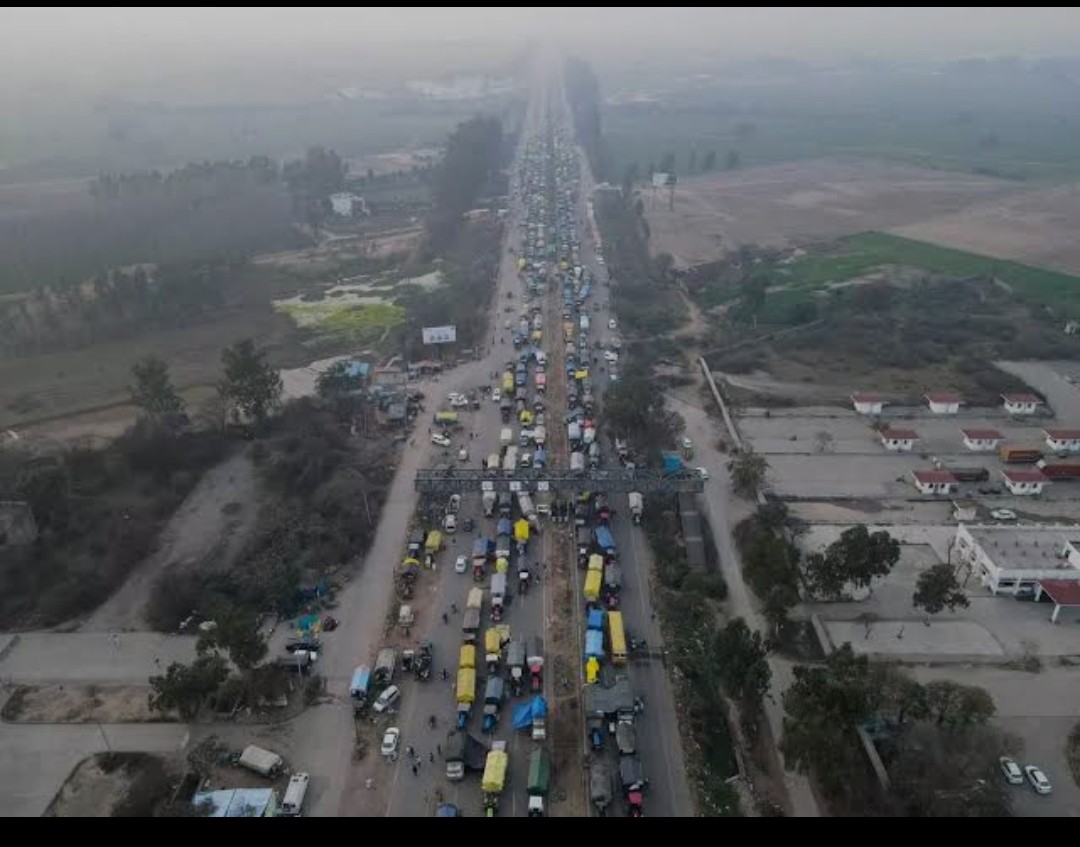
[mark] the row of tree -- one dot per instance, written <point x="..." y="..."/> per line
<point x="583" y="94"/>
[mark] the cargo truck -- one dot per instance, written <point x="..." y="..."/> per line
<point x="494" y="777"/>
<point x="492" y="649"/>
<point x="637" y="506"/>
<point x="539" y="781"/>
<point x="510" y="460"/>
<point x="488" y="498"/>
<point x="465" y="694"/>
<point x="515" y="661"/>
<point x="261" y="761"/>
<point x="1060" y="469"/>
<point x="617" y="638"/>
<point x="498" y="596"/>
<point x="1016" y="454"/>
<point x="462" y="753"/>
<point x="493" y="697"/>
<point x="535" y="661"/>
<point x="600" y="783"/>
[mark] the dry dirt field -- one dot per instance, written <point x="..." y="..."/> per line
<point x="107" y="704"/>
<point x="115" y="785"/>
<point x="781" y="205"/>
<point x="1036" y="227"/>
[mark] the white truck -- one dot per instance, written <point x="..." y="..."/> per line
<point x="577" y="461"/>
<point x="510" y="460"/>
<point x="488" y="498"/>
<point x="540" y="435"/>
<point x="263" y="762"/>
<point x="506" y="436"/>
<point x="589" y="435"/>
<point x="528" y="510"/>
<point x="637" y="506"/>
<point x="498" y="595"/>
<point x="583" y="323"/>
<point x="293" y="804"/>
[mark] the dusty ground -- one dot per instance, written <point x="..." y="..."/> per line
<point x="114" y="785"/>
<point x="1037" y="227"/>
<point x="339" y="248"/>
<point x="215" y="520"/>
<point x="805" y="201"/>
<point x="52" y="704"/>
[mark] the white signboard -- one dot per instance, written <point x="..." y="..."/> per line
<point x="439" y="334"/>
<point x="543" y="485"/>
<point x="515" y="485"/>
<point x="487" y="485"/>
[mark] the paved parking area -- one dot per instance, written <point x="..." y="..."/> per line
<point x="1040" y="710"/>
<point x="100" y="657"/>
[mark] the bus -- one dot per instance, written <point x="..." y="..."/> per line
<point x="618" y="638"/>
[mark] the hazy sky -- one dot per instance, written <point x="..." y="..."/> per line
<point x="820" y="32"/>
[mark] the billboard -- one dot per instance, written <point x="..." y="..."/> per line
<point x="439" y="334"/>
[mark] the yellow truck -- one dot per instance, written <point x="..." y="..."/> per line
<point x="494" y="778"/>
<point x="521" y="531"/>
<point x="617" y="638"/>
<point x="593" y="579"/>
<point x="475" y="599"/>
<point x="596" y="562"/>
<point x="465" y="694"/>
<point x="507" y="383"/>
<point x="492" y="649"/>
<point x="467" y="656"/>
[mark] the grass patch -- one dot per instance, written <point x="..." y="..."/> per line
<point x="859" y="254"/>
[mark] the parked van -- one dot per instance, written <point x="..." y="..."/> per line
<point x="293" y="804"/>
<point x="387" y="700"/>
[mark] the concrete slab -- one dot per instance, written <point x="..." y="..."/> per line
<point x="906" y="638"/>
<point x="94" y="657"/>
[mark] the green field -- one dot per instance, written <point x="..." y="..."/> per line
<point x="859" y="254"/>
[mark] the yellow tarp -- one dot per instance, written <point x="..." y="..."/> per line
<point x="466" y="685"/>
<point x="581" y="374"/>
<point x="526" y="417"/>
<point x="476" y="598"/>
<point x="492" y="643"/>
<point x="434" y="541"/>
<point x="521" y="264"/>
<point x="446" y="417"/>
<point x="521" y="530"/>
<point x="596" y="562"/>
<point x="467" y="656"/>
<point x="503" y="631"/>
<point x="592" y="585"/>
<point x="501" y="565"/>
<point x="495" y="771"/>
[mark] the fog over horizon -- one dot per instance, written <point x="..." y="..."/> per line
<point x="33" y="36"/>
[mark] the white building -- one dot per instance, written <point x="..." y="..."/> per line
<point x="982" y="440"/>
<point x="934" y="482"/>
<point x="868" y="404"/>
<point x="944" y="402"/>
<point x="1020" y="404"/>
<point x="346" y="205"/>
<point x="1007" y="559"/>
<point x="1063" y="440"/>
<point x="1025" y="482"/>
<point x="899" y="440"/>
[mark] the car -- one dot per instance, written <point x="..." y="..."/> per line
<point x="611" y="356"/>
<point x="1011" y="771"/>
<point x="461" y="564"/>
<point x="496" y="395"/>
<point x="391" y="740"/>
<point x="613" y="376"/>
<point x="463" y="454"/>
<point x="612" y="324"/>
<point x="440" y="440"/>
<point x="450" y="524"/>
<point x="387" y="700"/>
<point x="303" y="645"/>
<point x="703" y="473"/>
<point x="1003" y="515"/>
<point x="1038" y="780"/>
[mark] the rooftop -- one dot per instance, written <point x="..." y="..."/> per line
<point x="1020" y="398"/>
<point x="867" y="397"/>
<point x="943" y="397"/>
<point x="981" y="434"/>
<point x="1016" y="548"/>
<point x="900" y="434"/>
<point x="1064" y="592"/>
<point x="1024" y="475"/>
<point x="934" y="477"/>
<point x="1062" y="434"/>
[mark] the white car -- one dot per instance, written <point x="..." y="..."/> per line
<point x="461" y="564"/>
<point x="440" y="440"/>
<point x="611" y="356"/>
<point x="1003" y="515"/>
<point x="1011" y="771"/>
<point x="614" y="377"/>
<point x="458" y="401"/>
<point x="703" y="473"/>
<point x="391" y="740"/>
<point x="387" y="700"/>
<point x="612" y="324"/>
<point x="496" y="395"/>
<point x="450" y="524"/>
<point x="1038" y="780"/>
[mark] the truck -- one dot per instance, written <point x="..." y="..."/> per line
<point x="470" y="624"/>
<point x="1060" y="469"/>
<point x="506" y="405"/>
<point x="493" y="697"/>
<point x="606" y="542"/>
<point x="1018" y="454"/>
<point x="964" y="474"/>
<point x="528" y="510"/>
<point x="573" y="433"/>
<point x="617" y="638"/>
<point x="637" y="506"/>
<point x="626" y="738"/>
<point x="462" y="753"/>
<point x="588" y="400"/>
<point x="687" y="448"/>
<point x="595" y="728"/>
<point x="507" y="383"/>
<point x="541" y="382"/>
<point x="594" y="455"/>
<point x="600" y="786"/>
<point x="505" y="504"/>
<point x="615" y="702"/>
<point x="503" y="546"/>
<point x="493" y="463"/>
<point x="492" y="649"/>
<point x="510" y="460"/>
<point x="494" y="777"/>
<point x="488" y="499"/>
<point x="532" y="716"/>
<point x="612" y="585"/>
<point x="515" y="661"/>
<point x="622" y="449"/>
<point x="498" y="596"/>
<point x="583" y="542"/>
<point x="631" y="774"/>
<point x="465" y="694"/>
<point x="358" y="686"/>
<point x="415" y="546"/>
<point x="300" y="661"/>
<point x="467" y="656"/>
<point x="593" y="583"/>
<point x="577" y="461"/>
<point x="423" y="659"/>
<point x="260" y="761"/>
<point x="385" y="664"/>
<point x="588" y="435"/>
<point x="506" y="436"/>
<point x="535" y="661"/>
<point x="594" y="645"/>
<point x="540" y="435"/>
<point x="539" y="457"/>
<point x="539" y="781"/>
<point x="583" y="323"/>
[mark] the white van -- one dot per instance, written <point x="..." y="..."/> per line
<point x="293" y="804"/>
<point x="387" y="700"/>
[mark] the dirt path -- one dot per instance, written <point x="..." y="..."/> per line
<point x="215" y="518"/>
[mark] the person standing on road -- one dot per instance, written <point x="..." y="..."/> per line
<point x="415" y="770"/>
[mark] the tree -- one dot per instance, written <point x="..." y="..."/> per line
<point x="771" y="568"/>
<point x="636" y="411"/>
<point x="742" y="663"/>
<point x="237" y="633"/>
<point x="954" y="705"/>
<point x="710" y="161"/>
<point x="937" y="589"/>
<point x="250" y="383"/>
<point x="338" y="381"/>
<point x="822" y="707"/>
<point x="855" y="558"/>
<point x="213" y="412"/>
<point x="748" y="471"/>
<point x="153" y="391"/>
<point x="733" y="160"/>
<point x="186" y="687"/>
